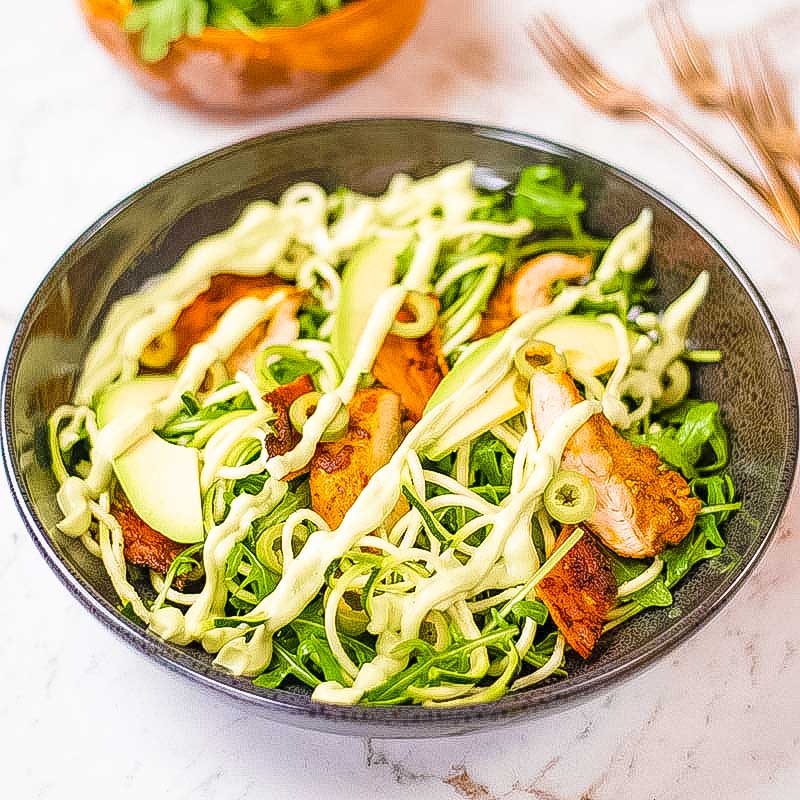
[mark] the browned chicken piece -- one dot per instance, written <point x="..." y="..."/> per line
<point x="641" y="505"/>
<point x="197" y="320"/>
<point x="143" y="545"/>
<point x="341" y="469"/>
<point x="411" y="367"/>
<point x="284" y="437"/>
<point x="529" y="288"/>
<point x="579" y="592"/>
<point x="282" y="328"/>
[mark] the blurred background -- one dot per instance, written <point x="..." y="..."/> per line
<point x="78" y="133"/>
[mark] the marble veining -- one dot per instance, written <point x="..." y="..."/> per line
<point x="83" y="716"/>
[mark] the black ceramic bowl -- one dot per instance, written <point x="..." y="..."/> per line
<point x="148" y="232"/>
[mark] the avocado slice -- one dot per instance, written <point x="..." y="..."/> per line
<point x="461" y="370"/>
<point x="502" y="402"/>
<point x="589" y="345"/>
<point x="160" y="479"/>
<point x="369" y="272"/>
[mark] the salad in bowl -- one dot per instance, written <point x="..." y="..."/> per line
<point x="400" y="449"/>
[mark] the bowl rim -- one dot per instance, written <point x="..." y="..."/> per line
<point x="397" y="721"/>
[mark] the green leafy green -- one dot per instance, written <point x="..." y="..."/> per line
<point x="285" y="664"/>
<point x="310" y="319"/>
<point x="247" y="579"/>
<point x="534" y="609"/>
<point x="162" y="22"/>
<point x="704" y="541"/>
<point x="541" y="652"/>
<point x="542" y="196"/>
<point x="692" y="439"/>
<point x="287" y="369"/>
<point x="432" y="525"/>
<point x="654" y="593"/>
<point x="193" y="424"/>
<point x="491" y="464"/>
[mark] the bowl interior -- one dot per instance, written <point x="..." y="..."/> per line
<point x="150" y="230"/>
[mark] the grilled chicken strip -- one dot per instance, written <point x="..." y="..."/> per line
<point x="529" y="288"/>
<point x="341" y="469"/>
<point x="641" y="505"/>
<point x="411" y="367"/>
<point x="579" y="592"/>
<point x="143" y="545"/>
<point x="199" y="318"/>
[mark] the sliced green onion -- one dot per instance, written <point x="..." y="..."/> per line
<point x="214" y="504"/>
<point x="569" y="498"/>
<point x="266" y="381"/>
<point x="424" y="310"/>
<point x="350" y="619"/>
<point x="538" y="355"/>
<point x="304" y="406"/>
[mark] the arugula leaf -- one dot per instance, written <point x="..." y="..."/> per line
<point x="360" y="652"/>
<point x="300" y="497"/>
<point x="538" y="655"/>
<point x="541" y="196"/>
<point x="655" y="593"/>
<point x="288" y="368"/>
<point x="162" y="22"/>
<point x="310" y="319"/>
<point x="318" y="651"/>
<point x="432" y="526"/>
<point x="453" y="659"/>
<point x="700" y="427"/>
<point x="694" y="440"/>
<point x="247" y="590"/>
<point x="704" y="541"/>
<point x="491" y="464"/>
<point x="535" y="609"/>
<point x="186" y="426"/>
<point x="286" y="664"/>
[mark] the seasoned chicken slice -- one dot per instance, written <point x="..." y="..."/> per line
<point x="529" y="288"/>
<point x="282" y="328"/>
<point x="341" y="469"/>
<point x="284" y="437"/>
<point x="641" y="505"/>
<point x="143" y="545"/>
<point x="411" y="367"/>
<point x="197" y="320"/>
<point x="579" y="592"/>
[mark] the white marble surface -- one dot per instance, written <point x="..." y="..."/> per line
<point x="81" y="715"/>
